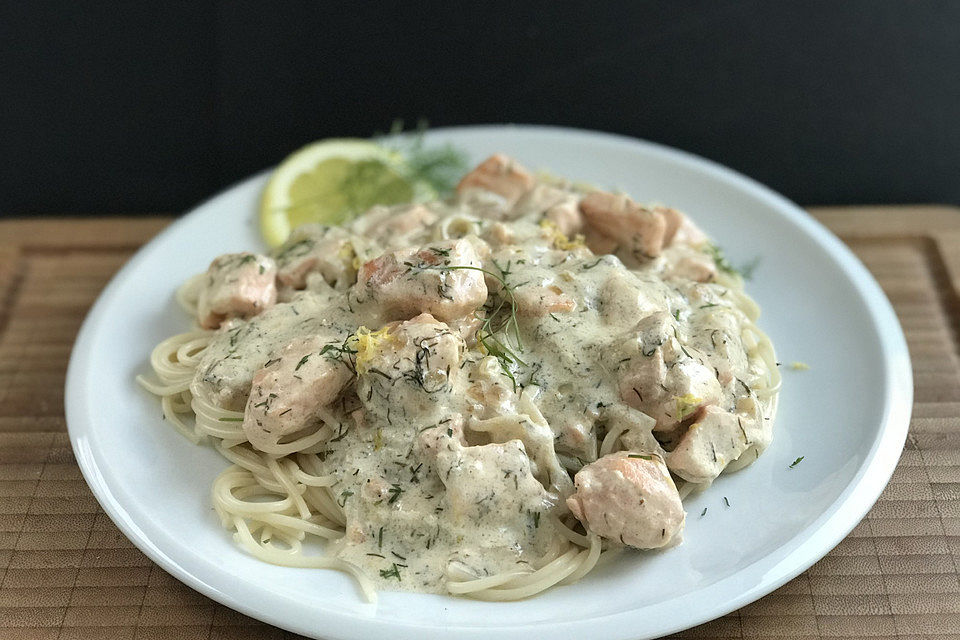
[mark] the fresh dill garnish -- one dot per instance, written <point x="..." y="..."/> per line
<point x="796" y="462"/>
<point x="302" y="362"/>
<point x="641" y="456"/>
<point x="725" y="501"/>
<point x="501" y="318"/>
<point x="745" y="271"/>
<point x="720" y="259"/>
<point x="708" y="305"/>
<point x="704" y="512"/>
<point x="343" y="497"/>
<point x="439" y="166"/>
<point x="230" y="419"/>
<point x="676" y="315"/>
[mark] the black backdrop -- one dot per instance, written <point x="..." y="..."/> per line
<point x="150" y="106"/>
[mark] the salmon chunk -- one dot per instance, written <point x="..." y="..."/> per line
<point x="393" y="226"/>
<point x="288" y="391"/>
<point x="617" y="222"/>
<point x="680" y="228"/>
<point x="557" y="206"/>
<point x="713" y="441"/>
<point x="422" y="349"/>
<point x="662" y="378"/>
<point x="566" y="217"/>
<point x="484" y="482"/>
<point x="312" y="248"/>
<point x="695" y="266"/>
<point x="442" y="279"/>
<point x="629" y="497"/>
<point x="538" y="300"/>
<point x="501" y="175"/>
<point x="408" y="367"/>
<point x="237" y="285"/>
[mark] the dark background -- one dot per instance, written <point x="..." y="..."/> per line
<point x="146" y="107"/>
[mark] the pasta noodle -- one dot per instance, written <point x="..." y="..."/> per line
<point x="461" y="450"/>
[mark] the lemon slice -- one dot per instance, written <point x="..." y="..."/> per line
<point x="332" y="181"/>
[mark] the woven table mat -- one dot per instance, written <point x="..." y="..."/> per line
<point x="67" y="572"/>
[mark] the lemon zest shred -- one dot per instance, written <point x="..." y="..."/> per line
<point x="369" y="343"/>
<point x="687" y="404"/>
<point x="796" y="365"/>
<point x="560" y="240"/>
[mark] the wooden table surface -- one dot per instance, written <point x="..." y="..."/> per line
<point x="67" y="572"/>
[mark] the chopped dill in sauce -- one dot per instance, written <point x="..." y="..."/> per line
<point x="458" y="408"/>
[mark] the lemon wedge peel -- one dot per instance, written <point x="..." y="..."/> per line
<point x="332" y="181"/>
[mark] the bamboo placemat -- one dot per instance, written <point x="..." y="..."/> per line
<point x="67" y="572"/>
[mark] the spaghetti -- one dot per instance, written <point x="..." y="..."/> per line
<point x="476" y="408"/>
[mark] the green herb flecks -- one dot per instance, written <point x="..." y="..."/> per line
<point x="796" y="462"/>
<point x="395" y="491"/>
<point x="392" y="572"/>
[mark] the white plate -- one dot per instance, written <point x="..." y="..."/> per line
<point x="847" y="416"/>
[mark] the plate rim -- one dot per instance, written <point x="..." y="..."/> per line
<point x="822" y="534"/>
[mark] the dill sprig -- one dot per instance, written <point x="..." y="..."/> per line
<point x="487" y="334"/>
<point x="723" y="263"/>
<point x="439" y="166"/>
<point x="495" y="321"/>
<point x="715" y="252"/>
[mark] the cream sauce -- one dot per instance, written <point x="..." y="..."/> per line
<point x="458" y="439"/>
